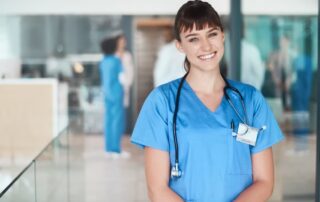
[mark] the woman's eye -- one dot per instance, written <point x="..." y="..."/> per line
<point x="193" y="39"/>
<point x="213" y="34"/>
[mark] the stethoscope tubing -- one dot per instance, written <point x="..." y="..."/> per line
<point x="228" y="86"/>
<point x="176" y="146"/>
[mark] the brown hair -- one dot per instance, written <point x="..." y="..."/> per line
<point x="195" y="13"/>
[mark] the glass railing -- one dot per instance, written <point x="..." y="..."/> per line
<point x="45" y="178"/>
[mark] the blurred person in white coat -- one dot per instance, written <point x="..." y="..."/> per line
<point x="126" y="78"/>
<point x="252" y="66"/>
<point x="169" y="64"/>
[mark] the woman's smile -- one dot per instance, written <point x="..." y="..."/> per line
<point x="207" y="56"/>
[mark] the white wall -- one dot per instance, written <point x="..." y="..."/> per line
<point x="280" y="7"/>
<point x="9" y="37"/>
<point x="4" y="48"/>
<point x="131" y="7"/>
<point x="151" y="7"/>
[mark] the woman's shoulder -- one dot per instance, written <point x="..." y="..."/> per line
<point x="247" y="90"/>
<point x="169" y="86"/>
<point x="250" y="93"/>
<point x="242" y="87"/>
<point x="164" y="91"/>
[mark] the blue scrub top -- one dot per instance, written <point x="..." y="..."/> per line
<point x="215" y="166"/>
<point x="110" y="67"/>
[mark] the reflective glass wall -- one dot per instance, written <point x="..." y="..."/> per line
<point x="279" y="57"/>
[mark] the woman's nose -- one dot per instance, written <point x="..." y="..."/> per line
<point x="206" y="45"/>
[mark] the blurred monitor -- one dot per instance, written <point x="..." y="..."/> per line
<point x="34" y="70"/>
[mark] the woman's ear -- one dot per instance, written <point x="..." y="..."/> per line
<point x="179" y="47"/>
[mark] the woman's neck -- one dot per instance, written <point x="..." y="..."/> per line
<point x="205" y="82"/>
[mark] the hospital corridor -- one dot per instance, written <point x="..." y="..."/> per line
<point x="75" y="76"/>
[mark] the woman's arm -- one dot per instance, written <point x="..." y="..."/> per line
<point x="263" y="178"/>
<point x="157" y="167"/>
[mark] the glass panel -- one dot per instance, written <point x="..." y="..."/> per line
<point x="286" y="48"/>
<point x="52" y="171"/>
<point x="77" y="164"/>
<point x="23" y="189"/>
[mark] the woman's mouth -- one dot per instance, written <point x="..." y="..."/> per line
<point x="207" y="56"/>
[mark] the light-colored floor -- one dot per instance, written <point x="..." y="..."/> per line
<point x="95" y="177"/>
<point x="106" y="179"/>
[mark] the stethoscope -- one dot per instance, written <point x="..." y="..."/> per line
<point x="175" y="169"/>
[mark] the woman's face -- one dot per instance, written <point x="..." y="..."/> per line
<point x="204" y="48"/>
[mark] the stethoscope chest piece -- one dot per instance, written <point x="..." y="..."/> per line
<point x="175" y="171"/>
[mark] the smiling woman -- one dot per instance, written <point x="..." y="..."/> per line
<point x="203" y="47"/>
<point x="187" y="126"/>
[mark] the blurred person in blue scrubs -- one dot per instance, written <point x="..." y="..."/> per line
<point x="111" y="71"/>
<point x="300" y="92"/>
<point x="206" y="138"/>
<point x="301" y="83"/>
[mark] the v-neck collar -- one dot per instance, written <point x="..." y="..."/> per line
<point x="201" y="104"/>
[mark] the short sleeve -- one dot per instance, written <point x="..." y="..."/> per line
<point x="151" y="128"/>
<point x="263" y="117"/>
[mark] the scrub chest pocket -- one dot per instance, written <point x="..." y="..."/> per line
<point x="211" y="160"/>
<point x="219" y="149"/>
<point x="239" y="158"/>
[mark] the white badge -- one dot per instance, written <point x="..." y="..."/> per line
<point x="247" y="134"/>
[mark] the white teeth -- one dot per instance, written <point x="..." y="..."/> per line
<point x="206" y="57"/>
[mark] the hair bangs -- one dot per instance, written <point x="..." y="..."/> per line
<point x="188" y="25"/>
<point x="196" y="14"/>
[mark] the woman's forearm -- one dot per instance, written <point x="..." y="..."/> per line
<point x="259" y="191"/>
<point x="164" y="194"/>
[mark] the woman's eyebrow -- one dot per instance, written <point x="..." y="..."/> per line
<point x="194" y="34"/>
<point x="190" y="35"/>
<point x="213" y="29"/>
